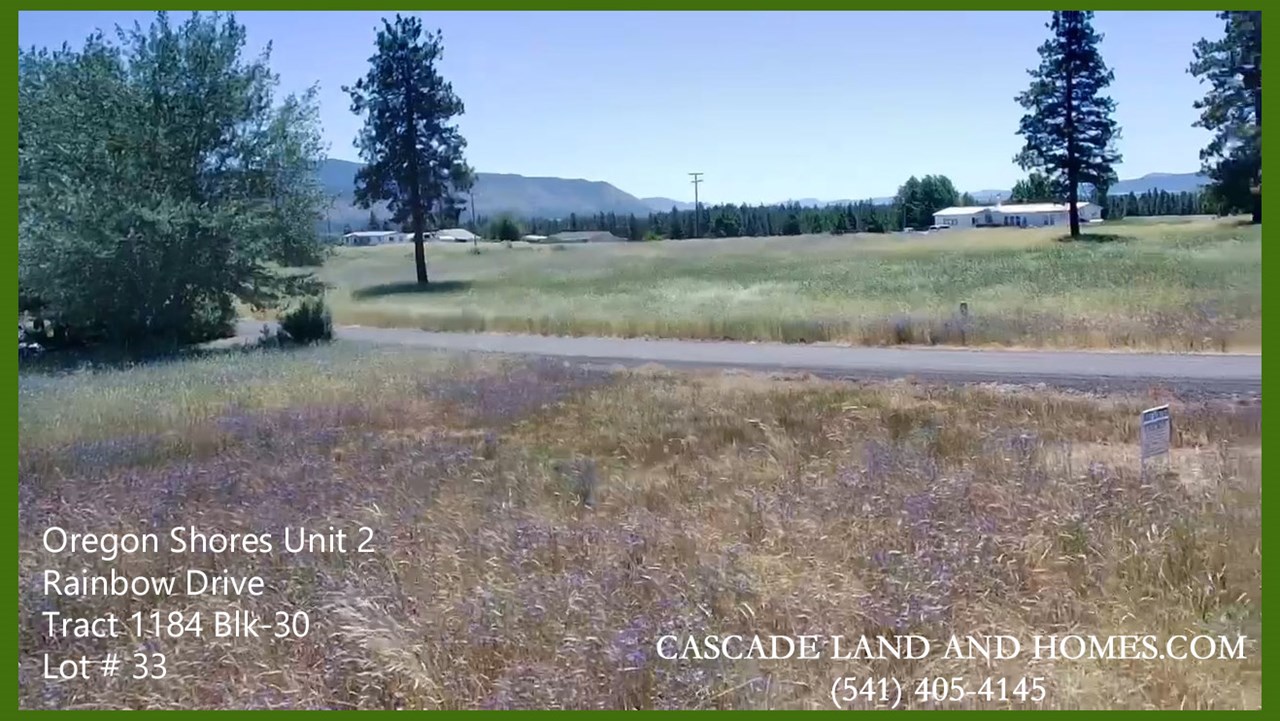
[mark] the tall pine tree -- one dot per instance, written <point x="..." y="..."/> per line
<point x="1069" y="129"/>
<point x="1232" y="110"/>
<point x="412" y="150"/>
<point x="675" y="231"/>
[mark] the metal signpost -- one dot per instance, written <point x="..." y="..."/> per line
<point x="1155" y="433"/>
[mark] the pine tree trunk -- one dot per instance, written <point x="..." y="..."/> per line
<point x="419" y="252"/>
<point x="415" y="192"/>
<point x="1073" y="211"/>
<point x="1073" y="167"/>
<point x="415" y="202"/>
<point x="420" y="259"/>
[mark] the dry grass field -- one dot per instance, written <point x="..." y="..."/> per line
<point x="537" y="527"/>
<point x="1174" y="285"/>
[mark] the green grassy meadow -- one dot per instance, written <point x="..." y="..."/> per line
<point x="1186" y="285"/>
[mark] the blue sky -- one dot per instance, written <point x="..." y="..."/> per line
<point x="769" y="106"/>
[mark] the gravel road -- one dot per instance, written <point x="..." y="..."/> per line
<point x="1183" y="374"/>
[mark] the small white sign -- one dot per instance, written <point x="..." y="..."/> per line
<point x="1156" y="431"/>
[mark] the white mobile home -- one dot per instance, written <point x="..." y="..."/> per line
<point x="1018" y="215"/>
<point x="372" y="237"/>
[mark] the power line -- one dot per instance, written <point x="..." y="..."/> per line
<point x="697" y="179"/>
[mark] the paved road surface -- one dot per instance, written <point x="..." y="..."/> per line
<point x="1194" y="374"/>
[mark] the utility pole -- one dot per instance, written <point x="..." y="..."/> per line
<point x="697" y="178"/>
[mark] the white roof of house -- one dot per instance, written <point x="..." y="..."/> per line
<point x="370" y="233"/>
<point x="962" y="210"/>
<point x="455" y="233"/>
<point x="1010" y="208"/>
<point x="1039" y="207"/>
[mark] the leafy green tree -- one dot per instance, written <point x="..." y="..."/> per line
<point x="1036" y="188"/>
<point x="908" y="202"/>
<point x="1068" y="129"/>
<point x="160" y="178"/>
<point x="1232" y="110"/>
<point x="506" y="229"/>
<point x="727" y="223"/>
<point x="412" y="149"/>
<point x="936" y="192"/>
<point x="919" y="198"/>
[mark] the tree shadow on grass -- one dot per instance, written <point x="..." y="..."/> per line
<point x="1097" y="238"/>
<point x="57" y="361"/>
<point x="409" y="287"/>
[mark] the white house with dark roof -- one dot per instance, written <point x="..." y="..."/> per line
<point x="1019" y="215"/>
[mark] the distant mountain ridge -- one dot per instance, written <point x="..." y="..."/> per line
<point x="547" y="197"/>
<point x="494" y="193"/>
<point x="1168" y="182"/>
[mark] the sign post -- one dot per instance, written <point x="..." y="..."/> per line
<point x="1155" y="433"/>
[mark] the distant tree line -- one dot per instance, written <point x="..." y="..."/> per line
<point x="917" y="201"/>
<point x="1160" y="202"/>
<point x="724" y="220"/>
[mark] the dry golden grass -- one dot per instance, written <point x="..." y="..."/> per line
<point x="538" y="528"/>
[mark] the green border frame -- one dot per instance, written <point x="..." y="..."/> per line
<point x="535" y="5"/>
<point x="629" y="5"/>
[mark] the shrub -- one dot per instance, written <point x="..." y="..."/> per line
<point x="209" y="319"/>
<point x="309" y="322"/>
